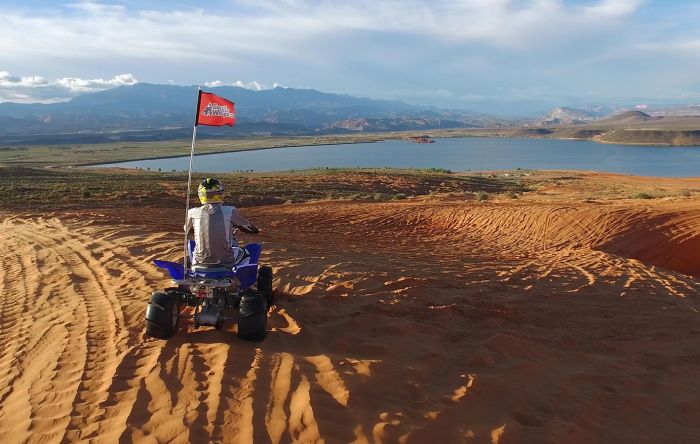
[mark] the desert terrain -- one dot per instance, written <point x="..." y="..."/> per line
<point x="539" y="307"/>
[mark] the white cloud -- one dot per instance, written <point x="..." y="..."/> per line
<point x="90" y="30"/>
<point x="38" y="89"/>
<point x="689" y="47"/>
<point x="7" y="80"/>
<point x="445" y="97"/>
<point x="365" y="46"/>
<point x="254" y="85"/>
<point x="96" y="7"/>
<point x="613" y="8"/>
<point x="499" y="22"/>
<point x="80" y="85"/>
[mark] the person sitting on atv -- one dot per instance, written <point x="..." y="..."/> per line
<point x="213" y="225"/>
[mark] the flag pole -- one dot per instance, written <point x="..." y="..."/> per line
<point x="189" y="179"/>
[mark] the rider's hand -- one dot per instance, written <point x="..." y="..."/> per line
<point x="252" y="229"/>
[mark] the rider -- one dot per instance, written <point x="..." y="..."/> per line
<point x="213" y="224"/>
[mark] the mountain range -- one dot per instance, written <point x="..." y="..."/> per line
<point x="157" y="112"/>
<point x="580" y="116"/>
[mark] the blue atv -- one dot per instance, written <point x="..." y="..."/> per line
<point x="213" y="291"/>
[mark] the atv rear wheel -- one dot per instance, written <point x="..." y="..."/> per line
<point x="252" y="316"/>
<point x="264" y="284"/>
<point x="162" y="315"/>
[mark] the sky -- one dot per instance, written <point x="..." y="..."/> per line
<point x="504" y="57"/>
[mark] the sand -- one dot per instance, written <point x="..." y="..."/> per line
<point x="543" y="320"/>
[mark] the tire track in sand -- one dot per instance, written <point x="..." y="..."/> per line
<point x="83" y="360"/>
<point x="105" y="382"/>
<point x="40" y="333"/>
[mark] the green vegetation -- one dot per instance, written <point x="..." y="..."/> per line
<point x="481" y="196"/>
<point x="642" y="196"/>
<point x="437" y="170"/>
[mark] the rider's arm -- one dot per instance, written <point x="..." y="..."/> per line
<point x="237" y="220"/>
<point x="188" y="222"/>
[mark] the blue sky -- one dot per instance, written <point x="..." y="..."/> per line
<point x="499" y="56"/>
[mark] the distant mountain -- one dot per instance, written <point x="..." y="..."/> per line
<point x="154" y="112"/>
<point x="630" y="117"/>
<point x="591" y="114"/>
<point x="675" y="110"/>
<point x="570" y="116"/>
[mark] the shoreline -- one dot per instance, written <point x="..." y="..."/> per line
<point x="97" y="155"/>
<point x="223" y="152"/>
<point x="390" y="137"/>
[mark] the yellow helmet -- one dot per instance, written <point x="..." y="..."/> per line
<point x="210" y="191"/>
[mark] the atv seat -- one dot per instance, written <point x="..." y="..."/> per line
<point x="211" y="268"/>
<point x="212" y="271"/>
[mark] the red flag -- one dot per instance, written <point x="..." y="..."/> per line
<point x="213" y="110"/>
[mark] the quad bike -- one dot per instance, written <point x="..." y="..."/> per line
<point x="212" y="291"/>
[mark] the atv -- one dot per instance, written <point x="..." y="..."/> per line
<point x="213" y="291"/>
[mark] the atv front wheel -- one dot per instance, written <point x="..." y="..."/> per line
<point x="264" y="284"/>
<point x="252" y="316"/>
<point x="162" y="315"/>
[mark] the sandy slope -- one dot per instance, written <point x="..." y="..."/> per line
<point x="416" y="321"/>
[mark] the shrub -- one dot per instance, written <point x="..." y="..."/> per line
<point x="481" y="196"/>
<point x="86" y="194"/>
<point x="399" y="196"/>
<point x="642" y="196"/>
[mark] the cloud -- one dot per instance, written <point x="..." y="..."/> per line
<point x="367" y="47"/>
<point x="444" y="97"/>
<point x="89" y="30"/>
<point x="250" y="34"/>
<point x="612" y="8"/>
<point x="686" y="47"/>
<point x="12" y="81"/>
<point x="96" y="7"/>
<point x="497" y="22"/>
<point x="254" y="85"/>
<point x="38" y="89"/>
<point x="73" y="84"/>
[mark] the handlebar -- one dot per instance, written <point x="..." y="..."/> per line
<point x="251" y="229"/>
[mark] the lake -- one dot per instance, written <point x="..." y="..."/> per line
<point x="456" y="154"/>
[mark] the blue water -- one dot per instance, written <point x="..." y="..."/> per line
<point x="456" y="154"/>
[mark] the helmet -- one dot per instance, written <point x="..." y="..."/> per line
<point x="210" y="191"/>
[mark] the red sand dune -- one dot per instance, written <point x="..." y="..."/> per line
<point x="416" y="321"/>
